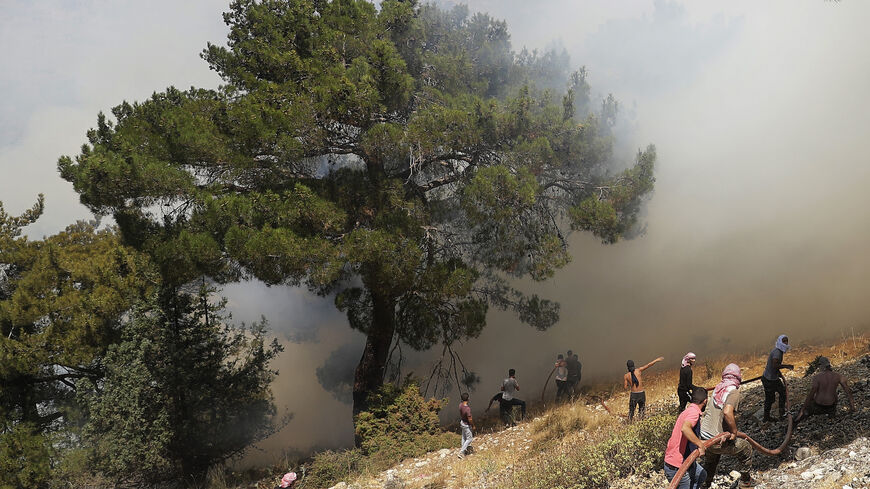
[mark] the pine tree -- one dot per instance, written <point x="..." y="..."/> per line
<point x="401" y="157"/>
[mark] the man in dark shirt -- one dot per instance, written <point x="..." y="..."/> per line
<point x="573" y="365"/>
<point x="466" y="424"/>
<point x="685" y="387"/>
<point x="771" y="379"/>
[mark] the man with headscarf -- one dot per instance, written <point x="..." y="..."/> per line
<point x="772" y="377"/>
<point x="685" y="387"/>
<point x="720" y="418"/>
<point x="633" y="381"/>
<point x="561" y="377"/>
<point x="822" y="398"/>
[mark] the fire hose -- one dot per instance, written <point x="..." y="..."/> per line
<point x="544" y="390"/>
<point x="723" y="436"/>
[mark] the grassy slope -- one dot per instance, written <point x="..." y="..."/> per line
<point x="554" y="448"/>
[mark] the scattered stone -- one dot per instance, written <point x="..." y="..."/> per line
<point x="340" y="485"/>
<point x="802" y="453"/>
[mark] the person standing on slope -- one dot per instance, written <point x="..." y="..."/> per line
<point x="466" y="424"/>
<point x="685" y="387"/>
<point x="720" y="418"/>
<point x="772" y="377"/>
<point x="679" y="446"/>
<point x="633" y="381"/>
<point x="573" y="366"/>
<point x="561" y="377"/>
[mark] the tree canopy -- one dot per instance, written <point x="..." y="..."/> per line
<point x="104" y="370"/>
<point x="401" y="157"/>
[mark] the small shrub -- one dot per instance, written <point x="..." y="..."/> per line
<point x="399" y="424"/>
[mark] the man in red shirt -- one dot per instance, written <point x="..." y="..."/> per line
<point x="466" y="423"/>
<point x="678" y="444"/>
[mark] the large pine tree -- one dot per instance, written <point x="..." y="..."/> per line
<point x="401" y="157"/>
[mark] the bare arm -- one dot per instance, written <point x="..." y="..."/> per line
<point x="848" y="393"/>
<point x="777" y="364"/>
<point x="689" y="433"/>
<point x="650" y="364"/>
<point x="730" y="421"/>
<point x="812" y="395"/>
<point x="625" y="381"/>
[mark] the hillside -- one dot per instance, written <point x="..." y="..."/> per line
<point x="544" y="451"/>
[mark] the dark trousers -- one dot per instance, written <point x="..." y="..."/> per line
<point x="571" y="386"/>
<point x="771" y="389"/>
<point x="561" y="389"/>
<point x="636" y="400"/>
<point x="517" y="402"/>
<point x="685" y="398"/>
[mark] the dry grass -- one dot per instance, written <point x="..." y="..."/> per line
<point x="567" y="420"/>
<point x="580" y="423"/>
<point x="574" y="427"/>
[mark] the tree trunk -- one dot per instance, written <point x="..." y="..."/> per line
<point x="370" y="370"/>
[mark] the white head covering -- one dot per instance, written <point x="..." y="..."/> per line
<point x="686" y="359"/>
<point x="780" y="345"/>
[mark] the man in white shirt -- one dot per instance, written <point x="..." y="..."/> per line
<point x="510" y="387"/>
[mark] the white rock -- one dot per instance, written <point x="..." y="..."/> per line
<point x="419" y="464"/>
<point x="807" y="475"/>
<point x="340" y="485"/>
<point x="847" y="486"/>
<point x="734" y="474"/>
<point x="852" y="454"/>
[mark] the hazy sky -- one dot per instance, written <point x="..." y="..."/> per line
<point x="760" y="221"/>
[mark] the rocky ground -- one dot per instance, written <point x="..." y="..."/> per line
<point x="824" y="453"/>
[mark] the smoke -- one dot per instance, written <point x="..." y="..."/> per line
<point x="758" y="222"/>
<point x="336" y="373"/>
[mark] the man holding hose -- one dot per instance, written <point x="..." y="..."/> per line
<point x="680" y="443"/>
<point x="719" y="418"/>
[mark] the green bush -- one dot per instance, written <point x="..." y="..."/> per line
<point x="24" y="458"/>
<point x="637" y="448"/>
<point x="400" y="424"/>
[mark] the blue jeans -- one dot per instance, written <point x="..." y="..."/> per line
<point x="692" y="479"/>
